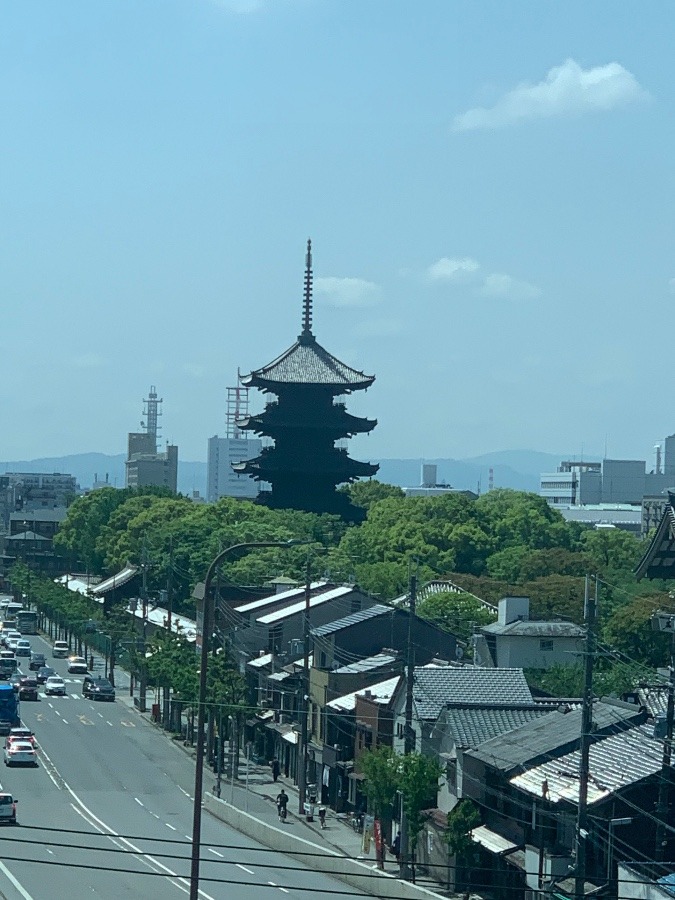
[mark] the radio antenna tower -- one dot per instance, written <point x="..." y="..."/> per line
<point x="151" y="413"/>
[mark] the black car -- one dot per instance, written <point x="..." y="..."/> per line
<point x="28" y="688"/>
<point x="44" y="673"/>
<point x="95" y="687"/>
<point x="37" y="661"/>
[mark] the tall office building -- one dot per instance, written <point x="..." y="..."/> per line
<point x="234" y="448"/>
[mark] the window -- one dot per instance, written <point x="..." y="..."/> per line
<point x="546" y="645"/>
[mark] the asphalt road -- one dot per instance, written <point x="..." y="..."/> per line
<point x="108" y="814"/>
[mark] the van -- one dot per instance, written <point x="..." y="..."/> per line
<point x="60" y="649"/>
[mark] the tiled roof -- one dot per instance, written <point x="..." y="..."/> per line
<point x="127" y="573"/>
<point x="536" y="629"/>
<point x="658" y="560"/>
<point x="347" y="621"/>
<point x="443" y="586"/>
<point x="472" y="726"/>
<point x="614" y="763"/>
<point x="307" y="362"/>
<point x="436" y="686"/>
<point x="556" y="731"/>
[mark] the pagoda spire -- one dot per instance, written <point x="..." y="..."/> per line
<point x="307" y="301"/>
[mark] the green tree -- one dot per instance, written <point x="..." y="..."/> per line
<point x="419" y="788"/>
<point x="458" y="613"/>
<point x="381" y="768"/>
<point x="366" y="493"/>
<point x="462" y="819"/>
<point x="629" y="630"/>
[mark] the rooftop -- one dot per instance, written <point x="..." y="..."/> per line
<point x="382" y="692"/>
<point x="471" y="726"/>
<point x="280" y="614"/>
<point x="536" y="629"/>
<point x="379" y="609"/>
<point x="366" y="665"/>
<point x="437" y="686"/>
<point x="260" y="603"/>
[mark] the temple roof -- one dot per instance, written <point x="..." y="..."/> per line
<point x="273" y="418"/>
<point x="307" y="362"/>
<point x="659" y="558"/>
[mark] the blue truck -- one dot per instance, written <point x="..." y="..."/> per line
<point x="9" y="708"/>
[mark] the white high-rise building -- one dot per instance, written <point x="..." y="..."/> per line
<point x="235" y="447"/>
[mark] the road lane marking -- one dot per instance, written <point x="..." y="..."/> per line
<point x="127" y="724"/>
<point x="139" y="802"/>
<point x="215" y="853"/>
<point x="170" y="826"/>
<point x="284" y="890"/>
<point x="20" y="888"/>
<point x="250" y="871"/>
<point x="109" y="723"/>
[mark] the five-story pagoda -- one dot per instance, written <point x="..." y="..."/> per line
<point x="304" y="466"/>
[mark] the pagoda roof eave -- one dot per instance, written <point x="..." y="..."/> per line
<point x="658" y="560"/>
<point x="307" y="363"/>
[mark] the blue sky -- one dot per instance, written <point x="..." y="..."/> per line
<point x="488" y="186"/>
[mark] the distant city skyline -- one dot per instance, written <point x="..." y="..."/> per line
<point x="488" y="188"/>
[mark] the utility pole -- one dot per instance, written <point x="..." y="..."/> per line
<point x="142" y="697"/>
<point x="409" y="733"/>
<point x="665" y="622"/>
<point x="590" y="603"/>
<point x="303" y="706"/>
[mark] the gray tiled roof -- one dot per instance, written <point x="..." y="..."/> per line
<point x="436" y="686"/>
<point x="347" y="621"/>
<point x="472" y="726"/>
<point x="536" y="629"/>
<point x="307" y="362"/>
<point x="555" y="732"/>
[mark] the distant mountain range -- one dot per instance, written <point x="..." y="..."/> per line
<point x="519" y="469"/>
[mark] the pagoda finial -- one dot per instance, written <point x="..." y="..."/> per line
<point x="307" y="302"/>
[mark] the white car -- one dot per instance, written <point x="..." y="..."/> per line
<point x="12" y="639"/>
<point x="77" y="665"/>
<point x="55" y="686"/>
<point x="20" y="753"/>
<point x="23" y="648"/>
<point x="7" y="808"/>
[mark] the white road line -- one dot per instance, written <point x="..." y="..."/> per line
<point x="215" y="853"/>
<point x="170" y="826"/>
<point x="109" y="723"/>
<point x="24" y="893"/>
<point x="284" y="890"/>
<point x="75" y="696"/>
<point x="250" y="871"/>
<point x="65" y="721"/>
<point x="139" y="802"/>
<point x="100" y="715"/>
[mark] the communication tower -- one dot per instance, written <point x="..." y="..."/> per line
<point x="151" y="413"/>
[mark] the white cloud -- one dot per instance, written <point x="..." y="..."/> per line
<point x="348" y="291"/>
<point x="566" y="90"/>
<point x="446" y="269"/>
<point x="500" y="285"/>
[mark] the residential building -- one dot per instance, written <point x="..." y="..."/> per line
<point x="514" y="641"/>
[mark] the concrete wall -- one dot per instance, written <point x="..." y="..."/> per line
<point x="356" y="874"/>
<point x="520" y="651"/>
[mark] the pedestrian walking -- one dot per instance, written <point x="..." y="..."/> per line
<point x="276" y="768"/>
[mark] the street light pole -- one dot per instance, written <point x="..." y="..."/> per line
<point x="207" y="630"/>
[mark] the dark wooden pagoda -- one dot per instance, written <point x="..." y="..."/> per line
<point x="304" y="467"/>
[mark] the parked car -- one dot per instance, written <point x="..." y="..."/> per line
<point x="23" y="648"/>
<point x="60" y="649"/>
<point x="77" y="665"/>
<point x="55" y="686"/>
<point x="7" y="808"/>
<point x="95" y="687"/>
<point x="28" y="688"/>
<point x="20" y="753"/>
<point x="37" y="661"/>
<point x="44" y="673"/>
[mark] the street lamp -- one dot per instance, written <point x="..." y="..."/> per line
<point x="207" y="629"/>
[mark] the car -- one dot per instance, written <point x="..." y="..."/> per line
<point x="23" y="648"/>
<point x="60" y="649"/>
<point x="8" y="666"/>
<point x="44" y="673"/>
<point x="28" y="688"/>
<point x="95" y="687"/>
<point x="37" y="661"/>
<point x="7" y="808"/>
<point x="12" y="639"/>
<point x="20" y="733"/>
<point x="55" y="686"/>
<point x="77" y="665"/>
<point x="14" y="680"/>
<point x="20" y="753"/>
